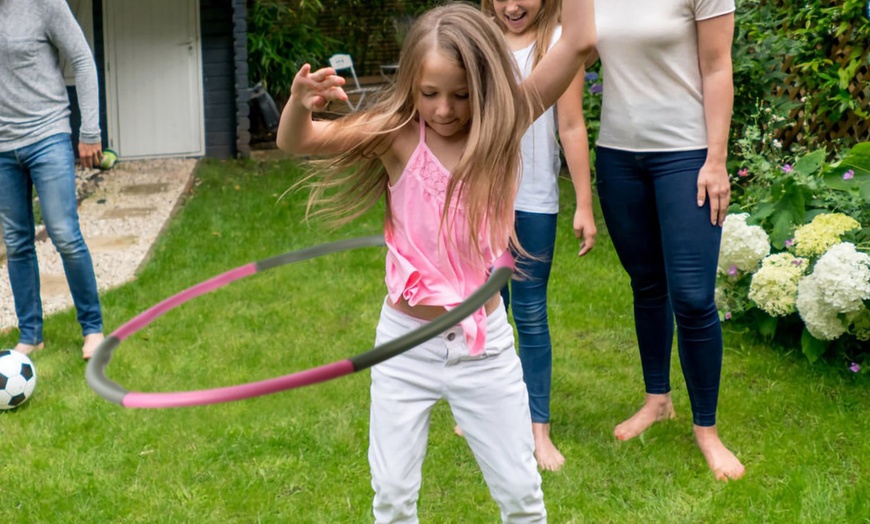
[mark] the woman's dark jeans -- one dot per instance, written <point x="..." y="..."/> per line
<point x="670" y="250"/>
<point x="526" y="297"/>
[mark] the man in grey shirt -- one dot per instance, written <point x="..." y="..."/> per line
<point x="36" y="150"/>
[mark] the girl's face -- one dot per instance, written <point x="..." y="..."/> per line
<point x="518" y="16"/>
<point x="442" y="95"/>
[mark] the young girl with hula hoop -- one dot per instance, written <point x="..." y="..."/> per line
<point x="443" y="147"/>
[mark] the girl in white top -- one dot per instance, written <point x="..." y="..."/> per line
<point x="530" y="28"/>
<point x="664" y="192"/>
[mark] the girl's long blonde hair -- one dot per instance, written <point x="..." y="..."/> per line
<point x="545" y="24"/>
<point x="486" y="178"/>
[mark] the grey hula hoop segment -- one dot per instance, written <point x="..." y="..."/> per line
<point x="111" y="391"/>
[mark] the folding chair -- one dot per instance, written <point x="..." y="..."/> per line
<point x="342" y="62"/>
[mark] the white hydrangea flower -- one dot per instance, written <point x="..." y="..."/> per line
<point x="843" y="276"/>
<point x="822" y="322"/>
<point x="743" y="246"/>
<point x="774" y="286"/>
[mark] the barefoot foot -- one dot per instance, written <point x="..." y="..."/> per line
<point x="724" y="464"/>
<point x="27" y="349"/>
<point x="655" y="408"/>
<point x="546" y="454"/>
<point x="91" y="342"/>
<point x="458" y="430"/>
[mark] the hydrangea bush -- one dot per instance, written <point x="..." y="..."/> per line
<point x="794" y="263"/>
<point x="828" y="288"/>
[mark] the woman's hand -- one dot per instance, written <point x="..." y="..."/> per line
<point x="316" y="90"/>
<point x="713" y="182"/>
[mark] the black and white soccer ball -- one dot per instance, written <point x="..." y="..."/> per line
<point x="17" y="379"/>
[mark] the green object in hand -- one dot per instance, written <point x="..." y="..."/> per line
<point x="110" y="158"/>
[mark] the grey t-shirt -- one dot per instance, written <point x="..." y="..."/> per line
<point x="34" y="34"/>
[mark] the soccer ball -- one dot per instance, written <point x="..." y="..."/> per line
<point x="17" y="379"/>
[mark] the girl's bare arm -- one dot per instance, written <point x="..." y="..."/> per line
<point x="575" y="143"/>
<point x="298" y="133"/>
<point x="559" y="66"/>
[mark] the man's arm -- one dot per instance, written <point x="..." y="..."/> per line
<point x="66" y="34"/>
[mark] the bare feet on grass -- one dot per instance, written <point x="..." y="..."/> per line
<point x="546" y="454"/>
<point x="27" y="349"/>
<point x="655" y="408"/>
<point x="91" y="342"/>
<point x="724" y="464"/>
<point x="458" y="430"/>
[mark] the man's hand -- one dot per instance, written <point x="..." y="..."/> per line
<point x="90" y="154"/>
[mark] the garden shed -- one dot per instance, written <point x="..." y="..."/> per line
<point x="173" y="76"/>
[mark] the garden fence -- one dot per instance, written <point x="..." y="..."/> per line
<point x="850" y="128"/>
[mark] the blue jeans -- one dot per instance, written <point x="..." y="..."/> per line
<point x="49" y="165"/>
<point x="527" y="298"/>
<point x="669" y="249"/>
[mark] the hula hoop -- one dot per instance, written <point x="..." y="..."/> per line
<point x="111" y="391"/>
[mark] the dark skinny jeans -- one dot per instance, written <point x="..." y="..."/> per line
<point x="670" y="250"/>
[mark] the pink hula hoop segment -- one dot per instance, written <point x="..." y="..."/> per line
<point x="111" y="391"/>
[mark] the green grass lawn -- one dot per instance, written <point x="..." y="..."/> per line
<point x="300" y="456"/>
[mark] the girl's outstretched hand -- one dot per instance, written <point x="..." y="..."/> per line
<point x="315" y="90"/>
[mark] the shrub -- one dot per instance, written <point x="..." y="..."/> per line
<point x="759" y="48"/>
<point x="283" y="35"/>
<point x="810" y="59"/>
<point x="794" y="261"/>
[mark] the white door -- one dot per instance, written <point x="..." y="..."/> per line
<point x="154" y="78"/>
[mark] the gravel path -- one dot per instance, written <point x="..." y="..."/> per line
<point x="123" y="213"/>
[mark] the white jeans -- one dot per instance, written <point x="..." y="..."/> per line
<point x="489" y="402"/>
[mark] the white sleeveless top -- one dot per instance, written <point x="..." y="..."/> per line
<point x="539" y="187"/>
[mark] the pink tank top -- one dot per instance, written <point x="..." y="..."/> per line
<point x="423" y="267"/>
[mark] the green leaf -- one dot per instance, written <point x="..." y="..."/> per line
<point x="789" y="211"/>
<point x="857" y="160"/>
<point x="783" y="222"/>
<point x="812" y="347"/>
<point x="811" y="163"/>
<point x="762" y="211"/>
<point x="858" y="157"/>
